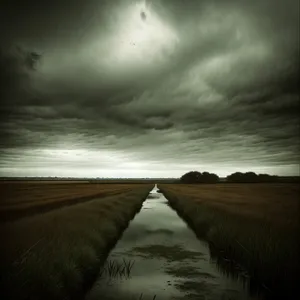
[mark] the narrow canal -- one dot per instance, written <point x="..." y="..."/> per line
<point x="167" y="261"/>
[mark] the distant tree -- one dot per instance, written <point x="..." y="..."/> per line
<point x="191" y="177"/>
<point x="209" y="177"/>
<point x="267" y="178"/>
<point x="197" y="177"/>
<point x="235" y="177"/>
<point x="251" y="177"/>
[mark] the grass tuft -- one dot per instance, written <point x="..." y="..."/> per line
<point x="114" y="268"/>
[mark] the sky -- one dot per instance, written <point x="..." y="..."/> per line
<point x="149" y="88"/>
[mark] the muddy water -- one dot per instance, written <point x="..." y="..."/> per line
<point x="169" y="261"/>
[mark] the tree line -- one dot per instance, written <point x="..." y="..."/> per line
<point x="237" y="177"/>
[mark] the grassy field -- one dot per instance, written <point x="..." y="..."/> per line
<point x="23" y="198"/>
<point x="255" y="225"/>
<point x="58" y="254"/>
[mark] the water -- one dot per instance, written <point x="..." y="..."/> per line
<point x="169" y="261"/>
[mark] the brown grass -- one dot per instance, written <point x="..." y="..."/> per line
<point x="20" y="199"/>
<point x="58" y="255"/>
<point x="276" y="203"/>
<point x="33" y="193"/>
<point x="255" y="225"/>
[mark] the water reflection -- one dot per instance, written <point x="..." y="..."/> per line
<point x="169" y="261"/>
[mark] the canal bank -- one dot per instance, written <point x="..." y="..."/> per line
<point x="166" y="261"/>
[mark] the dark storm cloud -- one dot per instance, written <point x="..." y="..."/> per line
<point x="199" y="83"/>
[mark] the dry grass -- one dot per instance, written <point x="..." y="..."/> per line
<point x="255" y="225"/>
<point x="24" y="181"/>
<point x="25" y="198"/>
<point x="23" y="193"/>
<point x="58" y="255"/>
<point x="259" y="201"/>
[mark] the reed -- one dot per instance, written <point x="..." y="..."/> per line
<point x="268" y="249"/>
<point x="58" y="255"/>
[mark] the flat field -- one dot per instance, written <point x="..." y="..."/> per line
<point x="58" y="254"/>
<point x="275" y="203"/>
<point x="23" y="198"/>
<point x="254" y="225"/>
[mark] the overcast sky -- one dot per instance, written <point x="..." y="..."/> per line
<point x="149" y="88"/>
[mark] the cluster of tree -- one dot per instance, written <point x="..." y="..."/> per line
<point x="198" y="177"/>
<point x="250" y="177"/>
<point x="237" y="177"/>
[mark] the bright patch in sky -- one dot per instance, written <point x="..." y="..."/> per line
<point x="141" y="39"/>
